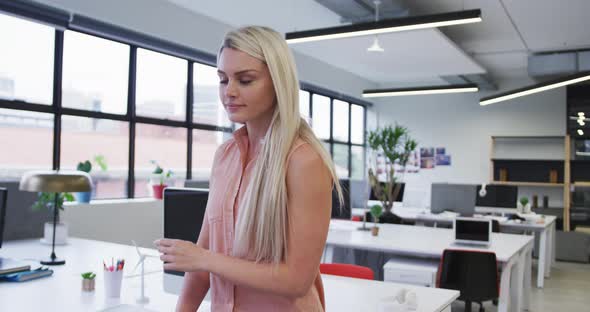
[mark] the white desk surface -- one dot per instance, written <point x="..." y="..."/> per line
<point x="417" y="240"/>
<point x="62" y="291"/>
<point x="410" y="213"/>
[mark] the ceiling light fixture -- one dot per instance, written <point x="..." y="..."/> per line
<point x="386" y="26"/>
<point x="535" y="88"/>
<point x="421" y="90"/>
<point x="580" y="132"/>
<point x="376" y="47"/>
<point x="581" y="114"/>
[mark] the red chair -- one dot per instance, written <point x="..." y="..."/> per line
<point x="347" y="270"/>
<point x="356" y="218"/>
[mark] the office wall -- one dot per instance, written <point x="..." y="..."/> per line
<point x="165" y="20"/>
<point x="463" y="127"/>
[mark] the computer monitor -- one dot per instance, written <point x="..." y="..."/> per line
<point x="458" y="198"/>
<point x="3" y="201"/>
<point x="502" y="196"/>
<point x="472" y="230"/>
<point x="341" y="212"/>
<point x="184" y="210"/>
<point x="400" y="195"/>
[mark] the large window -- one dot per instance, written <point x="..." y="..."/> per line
<point x="95" y="73"/>
<point x="26" y="60"/>
<point x="161" y="85"/>
<point x="95" y="139"/>
<point x="27" y="142"/>
<point x="88" y="119"/>
<point x="207" y="108"/>
<point x="345" y="140"/>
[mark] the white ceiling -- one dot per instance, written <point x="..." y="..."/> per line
<point x="407" y="58"/>
<point x="510" y="31"/>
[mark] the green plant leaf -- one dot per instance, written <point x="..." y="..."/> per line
<point x="101" y="162"/>
<point x="85" y="166"/>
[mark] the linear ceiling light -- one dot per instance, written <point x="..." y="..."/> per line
<point x="421" y="91"/>
<point x="386" y="26"/>
<point x="535" y="88"/>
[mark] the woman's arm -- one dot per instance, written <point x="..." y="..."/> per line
<point x="196" y="284"/>
<point x="310" y="187"/>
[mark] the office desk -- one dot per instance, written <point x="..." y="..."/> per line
<point x="62" y="291"/>
<point x="512" y="251"/>
<point x="545" y="231"/>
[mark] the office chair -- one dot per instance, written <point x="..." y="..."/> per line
<point x="473" y="273"/>
<point x="347" y="270"/>
<point x="495" y="226"/>
<point x="341" y="211"/>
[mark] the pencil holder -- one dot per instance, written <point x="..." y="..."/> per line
<point x="112" y="283"/>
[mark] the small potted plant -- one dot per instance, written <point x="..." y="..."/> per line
<point x="523" y="205"/>
<point x="88" y="281"/>
<point x="86" y="166"/>
<point x="376" y="211"/>
<point x="47" y="201"/>
<point x="160" y="176"/>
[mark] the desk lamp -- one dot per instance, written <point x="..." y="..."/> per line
<point x="55" y="182"/>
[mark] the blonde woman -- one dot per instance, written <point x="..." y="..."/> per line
<point x="270" y="191"/>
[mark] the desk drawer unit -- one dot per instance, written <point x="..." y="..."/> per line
<point x="415" y="271"/>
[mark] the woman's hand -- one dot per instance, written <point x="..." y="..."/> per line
<point x="180" y="255"/>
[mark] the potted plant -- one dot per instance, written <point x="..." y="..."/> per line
<point x="158" y="182"/>
<point x="86" y="166"/>
<point x="395" y="144"/>
<point x="376" y="211"/>
<point x="523" y="205"/>
<point x="88" y="281"/>
<point x="47" y="201"/>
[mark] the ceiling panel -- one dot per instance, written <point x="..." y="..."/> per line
<point x="408" y="56"/>
<point x="548" y="25"/>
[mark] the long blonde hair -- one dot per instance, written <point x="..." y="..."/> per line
<point x="262" y="223"/>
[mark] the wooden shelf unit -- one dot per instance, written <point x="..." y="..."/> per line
<point x="564" y="172"/>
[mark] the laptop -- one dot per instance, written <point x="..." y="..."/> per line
<point x="472" y="231"/>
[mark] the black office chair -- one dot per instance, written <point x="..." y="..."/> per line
<point x="473" y="273"/>
<point x="342" y="211"/>
<point x="495" y="226"/>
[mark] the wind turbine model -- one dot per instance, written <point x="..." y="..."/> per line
<point x="142" y="299"/>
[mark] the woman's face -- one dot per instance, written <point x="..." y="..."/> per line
<point x="245" y="87"/>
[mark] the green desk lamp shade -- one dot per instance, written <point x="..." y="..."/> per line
<point x="55" y="182"/>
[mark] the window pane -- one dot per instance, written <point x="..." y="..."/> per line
<point x="161" y="85"/>
<point x="95" y="73"/>
<point x="207" y="107"/>
<point x="358" y="162"/>
<point x="27" y="141"/>
<point x="85" y="139"/>
<point x="26" y="60"/>
<point x="357" y="124"/>
<point x="327" y="147"/>
<point x="304" y="104"/>
<point x="340" y="131"/>
<point x="321" y="116"/>
<point x="165" y="145"/>
<point x="205" y="143"/>
<point x="341" y="159"/>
